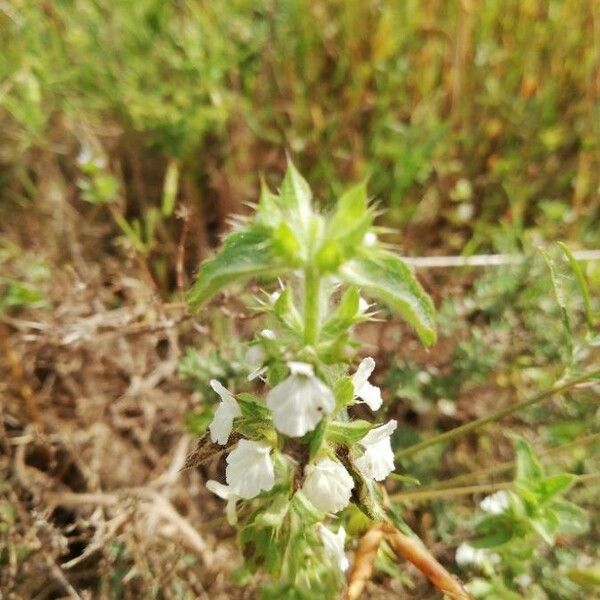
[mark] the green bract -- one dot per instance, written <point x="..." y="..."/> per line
<point x="287" y="233"/>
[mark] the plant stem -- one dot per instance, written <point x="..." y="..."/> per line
<point x="504" y="467"/>
<point x="458" y="432"/>
<point x="421" y="495"/>
<point x="312" y="292"/>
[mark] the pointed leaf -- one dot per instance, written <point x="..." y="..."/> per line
<point x="295" y="195"/>
<point x="528" y="467"/>
<point x="387" y="277"/>
<point x="245" y="253"/>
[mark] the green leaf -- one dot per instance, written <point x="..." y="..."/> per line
<point x="552" y="486"/>
<point x="343" y="391"/>
<point x="295" y="196"/>
<point x="528" y="466"/>
<point x="170" y="188"/>
<point x="387" y="277"/>
<point x="573" y="519"/>
<point x="546" y="526"/>
<point x="589" y="578"/>
<point x="287" y="313"/>
<point x="559" y="295"/>
<point x="287" y="244"/>
<point x="347" y="432"/>
<point x="306" y="509"/>
<point x="346" y="228"/>
<point x="245" y="253"/>
<point x="345" y="315"/>
<point x="494" y="531"/>
<point x="581" y="282"/>
<point x="267" y="210"/>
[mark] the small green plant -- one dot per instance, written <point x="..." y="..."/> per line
<point x="297" y="461"/>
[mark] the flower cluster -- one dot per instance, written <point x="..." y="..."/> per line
<point x="298" y="404"/>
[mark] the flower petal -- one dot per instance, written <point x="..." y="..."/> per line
<point x="334" y="545"/>
<point x="298" y="403"/>
<point x="250" y="469"/>
<point x="363" y="372"/>
<point x="227" y="411"/>
<point x="301" y="368"/>
<point x="328" y="485"/>
<point x="377" y="462"/>
<point x="379" y="433"/>
<point x="370" y="395"/>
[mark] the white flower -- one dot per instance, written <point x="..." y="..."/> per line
<point x="328" y="485"/>
<point x="255" y="357"/>
<point x="334" y="545"/>
<point x="370" y="239"/>
<point x="268" y="334"/>
<point x="226" y="493"/>
<point x="496" y="503"/>
<point x="299" y="402"/>
<point x="249" y="469"/>
<point x="226" y="412"/>
<point x="363" y="305"/>
<point x="368" y="393"/>
<point x="467" y="555"/>
<point x="377" y="461"/>
<point x="523" y="580"/>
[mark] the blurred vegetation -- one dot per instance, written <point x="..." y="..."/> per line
<point x="478" y="123"/>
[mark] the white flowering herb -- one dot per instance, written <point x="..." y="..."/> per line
<point x="294" y="456"/>
<point x="227" y="411"/>
<point x="377" y="460"/>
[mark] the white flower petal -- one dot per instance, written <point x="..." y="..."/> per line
<point x="363" y="306"/>
<point x="226" y="412"/>
<point x="377" y="462"/>
<point x="466" y="555"/>
<point x="496" y="503"/>
<point x="328" y="485"/>
<point x="299" y="402"/>
<point x="255" y="355"/>
<point x="363" y="372"/>
<point x="250" y="469"/>
<point x="371" y="395"/>
<point x="301" y="368"/>
<point x="367" y="392"/>
<point x="226" y="493"/>
<point x="219" y="489"/>
<point x="268" y="334"/>
<point x="370" y="239"/>
<point x="334" y="545"/>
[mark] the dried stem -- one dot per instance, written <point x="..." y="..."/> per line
<point x="413" y="550"/>
<point x="364" y="562"/>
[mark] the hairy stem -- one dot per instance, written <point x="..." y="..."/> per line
<point x="312" y="292"/>
<point x="505" y="467"/>
<point x="485" y="488"/>
<point x="458" y="432"/>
